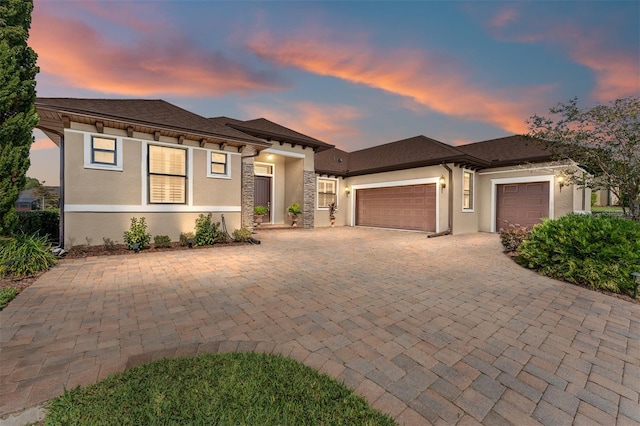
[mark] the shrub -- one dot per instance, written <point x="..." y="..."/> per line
<point x="185" y="237"/>
<point x="599" y="252"/>
<point x="25" y="255"/>
<point x="40" y="222"/>
<point x="207" y="232"/>
<point x="109" y="244"/>
<point x="6" y="296"/>
<point x="260" y="210"/>
<point x="137" y="238"/>
<point x="242" y="235"/>
<point x="513" y="236"/>
<point x="162" y="241"/>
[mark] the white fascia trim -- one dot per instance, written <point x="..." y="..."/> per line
<point x="523" y="179"/>
<point x="423" y="181"/>
<point x="283" y="153"/>
<point x="152" y="208"/>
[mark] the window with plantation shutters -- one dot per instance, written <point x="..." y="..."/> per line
<point x="167" y="175"/>
<point x="327" y="192"/>
<point x="467" y="190"/>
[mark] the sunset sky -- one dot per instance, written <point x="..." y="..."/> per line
<point x="351" y="73"/>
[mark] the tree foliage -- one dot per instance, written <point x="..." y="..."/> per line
<point x="18" y="115"/>
<point x="604" y="140"/>
<point x="31" y="183"/>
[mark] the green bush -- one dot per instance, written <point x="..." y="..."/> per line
<point x="599" y="252"/>
<point x="185" y="237"/>
<point x="513" y="236"/>
<point x="242" y="235"/>
<point x="207" y="232"/>
<point x="25" y="255"/>
<point x="137" y="238"/>
<point x="40" y="222"/>
<point x="162" y="241"/>
<point x="7" y="295"/>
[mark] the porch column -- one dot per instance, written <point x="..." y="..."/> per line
<point x="248" y="184"/>
<point x="309" y="177"/>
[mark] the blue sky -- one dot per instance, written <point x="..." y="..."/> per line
<point x="351" y="73"/>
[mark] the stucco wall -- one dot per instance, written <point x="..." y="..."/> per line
<point x="463" y="221"/>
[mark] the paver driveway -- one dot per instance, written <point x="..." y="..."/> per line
<point x="444" y="330"/>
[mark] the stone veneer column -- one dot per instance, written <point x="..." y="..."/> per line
<point x="248" y="184"/>
<point x="309" y="198"/>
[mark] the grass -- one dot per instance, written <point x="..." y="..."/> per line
<point x="606" y="209"/>
<point x="6" y="296"/>
<point x="229" y="389"/>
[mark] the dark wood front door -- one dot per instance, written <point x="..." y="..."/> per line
<point x="262" y="194"/>
<point x="522" y="204"/>
<point x="400" y="207"/>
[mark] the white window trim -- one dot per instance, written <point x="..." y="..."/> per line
<point x="318" y="178"/>
<point x="472" y="193"/>
<point x="524" y="179"/>
<point x="217" y="175"/>
<point x="88" y="164"/>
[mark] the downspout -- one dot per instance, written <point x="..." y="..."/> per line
<point x="61" y="202"/>
<point x="450" y="215"/>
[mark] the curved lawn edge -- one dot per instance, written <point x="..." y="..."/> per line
<point x="228" y="387"/>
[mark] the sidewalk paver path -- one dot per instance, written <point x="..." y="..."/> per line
<point x="432" y="331"/>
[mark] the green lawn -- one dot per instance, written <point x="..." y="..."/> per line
<point x="606" y="209"/>
<point x="227" y="389"/>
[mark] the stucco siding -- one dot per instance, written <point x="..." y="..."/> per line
<point x="96" y="226"/>
<point x="212" y="191"/>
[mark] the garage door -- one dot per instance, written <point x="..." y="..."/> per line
<point x="399" y="207"/>
<point x="522" y="203"/>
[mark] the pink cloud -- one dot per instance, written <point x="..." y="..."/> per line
<point x="429" y="79"/>
<point x="329" y="123"/>
<point x="158" y="63"/>
<point x="616" y="69"/>
<point x="42" y="143"/>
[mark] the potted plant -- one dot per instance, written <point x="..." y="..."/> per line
<point x="294" y="212"/>
<point x="258" y="213"/>
<point x="332" y="213"/>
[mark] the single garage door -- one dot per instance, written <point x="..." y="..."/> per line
<point x="522" y="203"/>
<point x="399" y="207"/>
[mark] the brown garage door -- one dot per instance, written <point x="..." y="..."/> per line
<point x="398" y="207"/>
<point x="522" y="203"/>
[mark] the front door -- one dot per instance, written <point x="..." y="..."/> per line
<point x="262" y="194"/>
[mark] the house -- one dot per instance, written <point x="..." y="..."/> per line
<point x="38" y="198"/>
<point x="122" y="158"/>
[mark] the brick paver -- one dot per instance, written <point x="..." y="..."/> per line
<point x="444" y="331"/>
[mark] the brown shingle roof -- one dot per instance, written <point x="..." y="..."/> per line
<point x="333" y="161"/>
<point x="147" y="112"/>
<point x="263" y="128"/>
<point x="508" y="150"/>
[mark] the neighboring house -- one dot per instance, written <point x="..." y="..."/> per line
<point x="30" y="199"/>
<point x="126" y="158"/>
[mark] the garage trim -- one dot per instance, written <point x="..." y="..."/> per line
<point x="523" y="179"/>
<point x="408" y="182"/>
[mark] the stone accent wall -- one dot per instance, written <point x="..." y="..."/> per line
<point x="248" y="184"/>
<point x="309" y="198"/>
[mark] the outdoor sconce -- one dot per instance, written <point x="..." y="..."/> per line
<point x="561" y="181"/>
<point x="443" y="183"/>
<point x="348" y="190"/>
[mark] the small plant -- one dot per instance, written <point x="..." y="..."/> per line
<point x="513" y="236"/>
<point x="6" y="296"/>
<point x="242" y="235"/>
<point x="137" y="238"/>
<point x="25" y="255"/>
<point x="162" y="241"/>
<point x="186" y="239"/>
<point x="294" y="209"/>
<point x="260" y="210"/>
<point x="109" y="244"/>
<point x="207" y="232"/>
<point x="332" y="210"/>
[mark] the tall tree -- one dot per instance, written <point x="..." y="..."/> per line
<point x="31" y="183"/>
<point x="604" y="140"/>
<point x="18" y="115"/>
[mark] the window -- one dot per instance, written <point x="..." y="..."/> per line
<point x="103" y="150"/>
<point x="218" y="165"/>
<point x="467" y="190"/>
<point x="167" y="175"/>
<point x="327" y="190"/>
